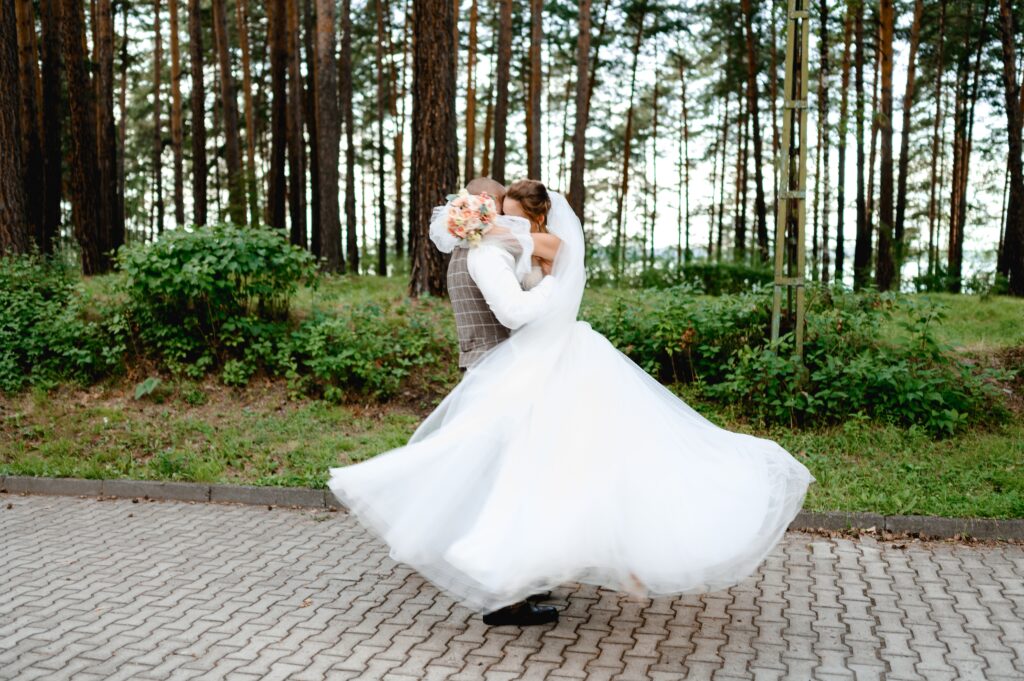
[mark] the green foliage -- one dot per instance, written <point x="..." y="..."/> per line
<point x="217" y="302"/>
<point x="723" y="345"/>
<point x="44" y="335"/>
<point x="369" y="350"/>
<point x="677" y="335"/>
<point x="711" y="278"/>
<point x="187" y="290"/>
<point x="719" y="278"/>
<point x="147" y="387"/>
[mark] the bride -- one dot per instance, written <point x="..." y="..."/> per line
<point x="557" y="459"/>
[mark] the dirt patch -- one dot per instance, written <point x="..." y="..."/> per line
<point x="1011" y="359"/>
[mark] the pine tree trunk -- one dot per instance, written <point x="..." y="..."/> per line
<point x="296" y="144"/>
<point x="823" y="115"/>
<point x="959" y="134"/>
<point x="242" y="19"/>
<point x="654" y="167"/>
<point x="873" y="149"/>
<point x="176" y="128"/>
<point x="596" y="61"/>
<point x="937" y="120"/>
<point x="382" y="216"/>
<point x="327" y="136"/>
<point x="577" y="187"/>
<point x="862" y="247"/>
<point x="229" y="108"/>
<point x="564" y="130"/>
<point x="122" y="124"/>
<point x="684" y="164"/>
<point x="533" y="156"/>
<point x="713" y="150"/>
<point x="618" y="255"/>
<point x="739" y="200"/>
<point x="908" y="102"/>
<point x="721" y="182"/>
<point x="501" y="106"/>
<point x="199" y="165"/>
<point x="470" y="171"/>
<point x="309" y="106"/>
<point x="773" y="94"/>
<point x="277" y="27"/>
<point x="963" y="143"/>
<point x="400" y="139"/>
<point x="29" y="123"/>
<point x="753" y="109"/>
<point x="351" y="235"/>
<point x="52" y="114"/>
<point x="1011" y="260"/>
<point x="820" y="133"/>
<point x="158" y="129"/>
<point x="434" y="171"/>
<point x="885" y="272"/>
<point x="843" y="136"/>
<point x="16" y="229"/>
<point x="84" y="175"/>
<point x="111" y="214"/>
<point x="485" y="169"/>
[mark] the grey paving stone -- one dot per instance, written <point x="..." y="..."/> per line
<point x="168" y="590"/>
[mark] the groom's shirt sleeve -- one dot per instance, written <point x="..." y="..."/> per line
<point x="493" y="270"/>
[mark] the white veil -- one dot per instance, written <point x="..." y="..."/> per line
<point x="568" y="268"/>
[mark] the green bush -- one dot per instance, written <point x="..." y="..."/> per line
<point x="189" y="292"/>
<point x="44" y="336"/>
<point x="679" y="336"/>
<point x="723" y="345"/>
<point x="369" y="350"/>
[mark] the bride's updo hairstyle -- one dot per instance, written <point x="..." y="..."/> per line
<point x="533" y="197"/>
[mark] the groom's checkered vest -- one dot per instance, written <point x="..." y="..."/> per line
<point x="479" y="330"/>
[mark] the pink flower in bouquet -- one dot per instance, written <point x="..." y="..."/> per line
<point x="470" y="216"/>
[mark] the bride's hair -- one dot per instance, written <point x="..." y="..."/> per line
<point x="532" y="195"/>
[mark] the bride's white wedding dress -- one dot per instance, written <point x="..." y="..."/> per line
<point x="557" y="459"/>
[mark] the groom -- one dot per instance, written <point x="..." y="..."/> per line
<point x="489" y="304"/>
<point x="486" y="296"/>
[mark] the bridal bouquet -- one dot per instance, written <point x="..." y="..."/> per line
<point x="470" y="215"/>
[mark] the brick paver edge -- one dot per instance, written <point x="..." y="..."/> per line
<point x="303" y="497"/>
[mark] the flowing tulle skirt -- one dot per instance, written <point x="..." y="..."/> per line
<point x="568" y="463"/>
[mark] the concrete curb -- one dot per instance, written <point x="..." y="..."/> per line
<point x="303" y="497"/>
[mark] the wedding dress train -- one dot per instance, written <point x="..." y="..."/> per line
<point x="557" y="459"/>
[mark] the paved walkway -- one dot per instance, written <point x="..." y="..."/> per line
<point x="168" y="590"/>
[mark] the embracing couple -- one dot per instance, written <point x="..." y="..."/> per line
<point x="556" y="460"/>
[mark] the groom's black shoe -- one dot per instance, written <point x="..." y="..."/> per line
<point x="542" y="596"/>
<point x="523" y="613"/>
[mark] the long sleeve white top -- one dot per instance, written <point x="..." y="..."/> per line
<point x="493" y="270"/>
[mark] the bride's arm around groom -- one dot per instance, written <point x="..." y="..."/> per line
<point x="493" y="270"/>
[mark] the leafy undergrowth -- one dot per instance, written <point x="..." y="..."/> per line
<point x="204" y="431"/>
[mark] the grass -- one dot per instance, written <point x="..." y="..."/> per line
<point x="208" y="433"/>
<point x="195" y="432"/>
<point x="973" y="324"/>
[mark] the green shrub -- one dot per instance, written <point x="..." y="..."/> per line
<point x="44" y="336"/>
<point x="723" y="345"/>
<point x="370" y="350"/>
<point x="188" y="291"/>
<point x="677" y="335"/>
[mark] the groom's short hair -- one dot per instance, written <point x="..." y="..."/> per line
<point x="479" y="185"/>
